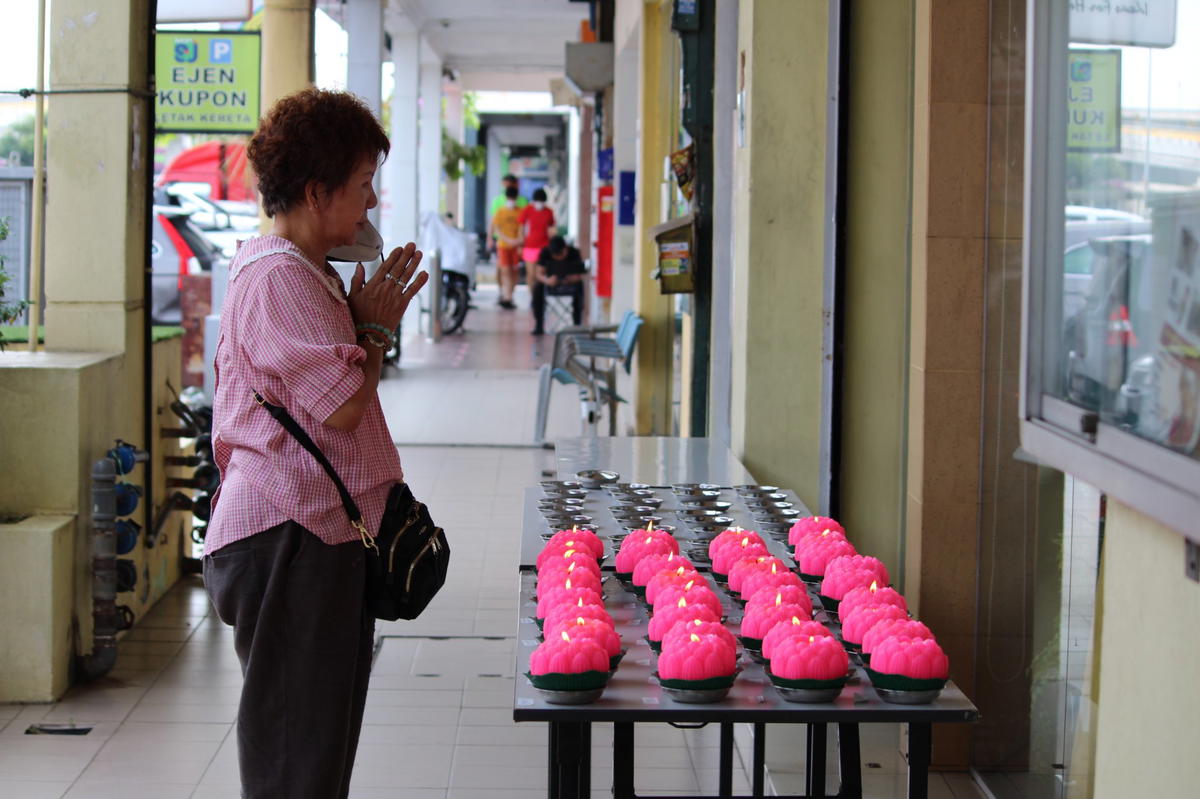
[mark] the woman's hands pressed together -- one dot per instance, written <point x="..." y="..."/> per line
<point x="384" y="298"/>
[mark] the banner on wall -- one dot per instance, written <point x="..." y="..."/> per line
<point x="1094" y="101"/>
<point x="1141" y="23"/>
<point x="208" y="82"/>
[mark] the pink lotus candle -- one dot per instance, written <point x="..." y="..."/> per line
<point x="813" y="657"/>
<point x="581" y="558"/>
<point x="855" y="626"/>
<point x="893" y="628"/>
<point x="851" y="571"/>
<point x="679" y="576"/>
<point x="567" y="595"/>
<point x="871" y="594"/>
<point x="813" y="555"/>
<point x="745" y="548"/>
<point x="566" y="655"/>
<point x="579" y="539"/>
<point x="795" y="626"/>
<point x="651" y="565"/>
<point x="559" y="578"/>
<point x="667" y="617"/>
<point x="561" y="614"/>
<point x="769" y="579"/>
<point x="919" y="658"/>
<point x="599" y="631"/>
<point x="733" y="547"/>
<point x="725" y="536"/>
<point x="695" y="591"/>
<point x="699" y="656"/>
<point x="756" y="622"/>
<point x="743" y="567"/>
<point x="679" y="632"/>
<point x="782" y="595"/>
<point x="813" y="525"/>
<point x="641" y="543"/>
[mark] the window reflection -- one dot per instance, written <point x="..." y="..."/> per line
<point x="1130" y="346"/>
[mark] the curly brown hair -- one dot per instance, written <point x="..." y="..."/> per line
<point x="314" y="134"/>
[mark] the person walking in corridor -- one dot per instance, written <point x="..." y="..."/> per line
<point x="537" y="225"/>
<point x="282" y="565"/>
<point x="505" y="228"/>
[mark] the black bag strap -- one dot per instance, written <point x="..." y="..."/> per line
<point x="292" y="426"/>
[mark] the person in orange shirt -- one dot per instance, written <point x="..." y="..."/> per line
<point x="506" y="230"/>
<point x="537" y="225"/>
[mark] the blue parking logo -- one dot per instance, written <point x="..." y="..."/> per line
<point x="185" y="51"/>
<point x="220" y="51"/>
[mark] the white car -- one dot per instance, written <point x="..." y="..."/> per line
<point x="222" y="222"/>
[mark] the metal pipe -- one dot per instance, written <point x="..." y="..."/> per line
<point x="104" y="572"/>
<point x="435" y="295"/>
<point x="38" y="217"/>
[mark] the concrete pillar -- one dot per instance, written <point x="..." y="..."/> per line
<point x="625" y="129"/>
<point x="400" y="170"/>
<point x="287" y="48"/>
<point x="654" y="354"/>
<point x="585" y="187"/>
<point x="429" y="139"/>
<point x="96" y="209"/>
<point x="364" y="66"/>
<point x="724" y="145"/>
<point x="778" y="282"/>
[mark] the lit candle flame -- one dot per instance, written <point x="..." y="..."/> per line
<point x="579" y="603"/>
<point x="580" y="621"/>
<point x="772" y="568"/>
<point x="682" y="570"/>
<point x="571" y="568"/>
<point x="874" y="585"/>
<point x="746" y="541"/>
<point x="574" y="528"/>
<point x="650" y="527"/>
<point x="568" y="553"/>
<point x="825" y="531"/>
<point x="735" y="530"/>
<point x="812" y="639"/>
<point x="689" y="585"/>
<point x="566" y="637"/>
<point x="697" y="622"/>
<point x="567" y="584"/>
<point x="796" y="620"/>
<point x="682" y="602"/>
<point x="649" y="538"/>
<point x="695" y="638"/>
<point x="778" y="598"/>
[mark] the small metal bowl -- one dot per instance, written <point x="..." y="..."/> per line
<point x="560" y="503"/>
<point x="697" y="513"/>
<point x="771" y="507"/>
<point x="695" y="489"/>
<point x="635" y="493"/>
<point x="714" y="524"/>
<point x="642" y="502"/>
<point x="640" y="524"/>
<point x="552" y="485"/>
<point x="754" y="490"/>
<point x="705" y="502"/>
<point x="579" y="493"/>
<point x="597" y="478"/>
<point x="634" y="512"/>
<point x="567" y="522"/>
<point x="908" y="697"/>
<point x="614" y="488"/>
<point x="570" y="697"/>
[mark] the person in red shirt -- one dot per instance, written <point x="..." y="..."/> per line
<point x="282" y="565"/>
<point x="537" y="226"/>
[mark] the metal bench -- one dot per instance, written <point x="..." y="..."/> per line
<point x="587" y="358"/>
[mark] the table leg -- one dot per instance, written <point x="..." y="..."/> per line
<point x="552" y="761"/>
<point x="623" y="760"/>
<point x="850" y="762"/>
<point x="760" y="758"/>
<point x="725" y="779"/>
<point x="814" y="783"/>
<point x="570" y="773"/>
<point x="920" y="747"/>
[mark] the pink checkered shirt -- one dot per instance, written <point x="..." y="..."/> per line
<point x="286" y="331"/>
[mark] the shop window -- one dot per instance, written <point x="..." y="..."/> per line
<point x="1112" y="381"/>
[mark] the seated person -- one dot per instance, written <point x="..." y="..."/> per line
<point x="559" y="267"/>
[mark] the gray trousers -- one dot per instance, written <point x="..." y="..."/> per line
<point x="304" y="639"/>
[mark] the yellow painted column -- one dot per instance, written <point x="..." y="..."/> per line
<point x="96" y="210"/>
<point x="653" y="361"/>
<point x="779" y="211"/>
<point x="287" y="55"/>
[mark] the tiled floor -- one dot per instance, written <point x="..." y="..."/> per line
<point x="439" y="713"/>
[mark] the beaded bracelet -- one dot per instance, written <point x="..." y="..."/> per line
<point x="374" y="340"/>
<point x="368" y="326"/>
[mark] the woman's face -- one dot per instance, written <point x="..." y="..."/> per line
<point x="345" y="209"/>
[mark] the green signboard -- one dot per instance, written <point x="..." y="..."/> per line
<point x="208" y="82"/>
<point x="1094" y="101"/>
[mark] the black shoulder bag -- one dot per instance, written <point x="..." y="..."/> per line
<point x="408" y="559"/>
